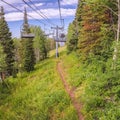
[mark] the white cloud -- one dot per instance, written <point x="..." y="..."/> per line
<point x="19" y="4"/>
<point x="68" y="12"/>
<point x="14" y="16"/>
<point x="50" y="13"/>
<point x="39" y="4"/>
<point x="54" y="13"/>
<point x="13" y="1"/>
<point x="16" y="3"/>
<point x="69" y="2"/>
<point x="3" y="3"/>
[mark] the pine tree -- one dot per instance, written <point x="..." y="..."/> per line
<point x="72" y="37"/>
<point x="7" y="43"/>
<point x="2" y="60"/>
<point x="2" y="63"/>
<point x="28" y="50"/>
<point x="95" y="34"/>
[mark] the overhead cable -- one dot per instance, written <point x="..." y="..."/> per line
<point x="41" y="13"/>
<point x="22" y="11"/>
<point x="60" y="11"/>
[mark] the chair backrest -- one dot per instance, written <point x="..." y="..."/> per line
<point x="27" y="35"/>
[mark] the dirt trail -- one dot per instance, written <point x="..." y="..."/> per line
<point x="77" y="105"/>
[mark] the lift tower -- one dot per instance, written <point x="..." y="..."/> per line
<point x="57" y="40"/>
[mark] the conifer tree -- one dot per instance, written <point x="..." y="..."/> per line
<point x="95" y="31"/>
<point x="7" y="43"/>
<point x="2" y="59"/>
<point x="72" y="37"/>
<point x="28" y="50"/>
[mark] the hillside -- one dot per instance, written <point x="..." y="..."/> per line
<point x="45" y="94"/>
<point x="97" y="91"/>
<point x="39" y="95"/>
<point x="83" y="83"/>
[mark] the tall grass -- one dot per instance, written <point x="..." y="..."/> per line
<point x="38" y="95"/>
<point x="96" y="86"/>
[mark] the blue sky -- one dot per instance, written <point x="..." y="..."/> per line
<point x="48" y="8"/>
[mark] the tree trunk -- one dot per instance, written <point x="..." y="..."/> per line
<point x="115" y="55"/>
<point x="2" y="76"/>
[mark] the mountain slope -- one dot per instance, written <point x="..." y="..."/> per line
<point x="39" y="95"/>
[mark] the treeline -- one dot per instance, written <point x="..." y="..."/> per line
<point x="17" y="55"/>
<point x="93" y="30"/>
<point x="94" y="37"/>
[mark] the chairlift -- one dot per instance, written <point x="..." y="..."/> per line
<point x="27" y="35"/>
<point x="24" y="34"/>
<point x="62" y="35"/>
<point x="62" y="38"/>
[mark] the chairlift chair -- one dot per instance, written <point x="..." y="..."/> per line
<point x="24" y="34"/>
<point x="62" y="38"/>
<point x="62" y="35"/>
<point x="27" y="35"/>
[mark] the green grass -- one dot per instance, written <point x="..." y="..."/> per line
<point x="98" y="91"/>
<point x="60" y="50"/>
<point x="72" y="67"/>
<point x="38" y="95"/>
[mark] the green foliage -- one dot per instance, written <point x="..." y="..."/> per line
<point x="50" y="45"/>
<point x="29" y="57"/>
<point x="72" y="37"/>
<point x="40" y="43"/>
<point x="93" y="29"/>
<point x="101" y="96"/>
<point x="73" y="71"/>
<point x="95" y="85"/>
<point x="116" y="63"/>
<point x="37" y="95"/>
<point x="18" y="55"/>
<point x="7" y="43"/>
<point x="2" y="59"/>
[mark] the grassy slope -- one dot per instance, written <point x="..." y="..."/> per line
<point x="75" y="73"/>
<point x="38" y="95"/>
<point x="99" y="92"/>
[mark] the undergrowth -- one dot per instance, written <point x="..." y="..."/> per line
<point x="96" y="86"/>
<point x="38" y="95"/>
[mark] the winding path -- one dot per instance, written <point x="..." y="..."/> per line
<point x="76" y="105"/>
